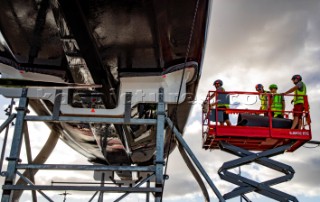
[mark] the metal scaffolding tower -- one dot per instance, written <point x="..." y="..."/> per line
<point x="151" y="182"/>
<point x="151" y="177"/>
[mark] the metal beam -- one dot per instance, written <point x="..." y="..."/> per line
<point x="86" y="167"/>
<point x="16" y="146"/>
<point x="137" y="185"/>
<point x="5" y="125"/>
<point x="77" y="119"/>
<point x="7" y="122"/>
<point x="156" y="170"/>
<point x="81" y="188"/>
<point x="29" y="159"/>
<point x="195" y="160"/>
<point x="160" y="144"/>
<point x="41" y="158"/>
<point x="32" y="183"/>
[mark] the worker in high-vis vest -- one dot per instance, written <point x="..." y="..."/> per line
<point x="277" y="102"/>
<point x="219" y="104"/>
<point x="263" y="98"/>
<point x="300" y="91"/>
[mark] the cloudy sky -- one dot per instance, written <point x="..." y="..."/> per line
<point x="249" y="42"/>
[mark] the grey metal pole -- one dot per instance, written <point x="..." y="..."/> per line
<point x="29" y="158"/>
<point x="138" y="185"/>
<point x="160" y="145"/>
<point x="94" y="195"/>
<point x="101" y="194"/>
<point x="31" y="184"/>
<point x="148" y="193"/>
<point x="195" y="160"/>
<point x="16" y="145"/>
<point x="6" y="125"/>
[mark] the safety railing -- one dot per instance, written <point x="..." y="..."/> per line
<point x="253" y="109"/>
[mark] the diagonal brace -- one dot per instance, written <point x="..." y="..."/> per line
<point x="262" y="158"/>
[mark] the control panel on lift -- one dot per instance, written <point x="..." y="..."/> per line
<point x="256" y="121"/>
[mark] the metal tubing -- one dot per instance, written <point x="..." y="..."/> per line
<point x="195" y="160"/>
<point x="76" y="119"/>
<point x="9" y="187"/>
<point x="148" y="193"/>
<point x="4" y="144"/>
<point x="7" y="122"/>
<point x="81" y="188"/>
<point x="137" y="185"/>
<point x="94" y="195"/>
<point x="127" y="111"/>
<point x="86" y="167"/>
<point x="29" y="158"/>
<point x="57" y="104"/>
<point x="41" y="158"/>
<point x="16" y="146"/>
<point x="31" y="183"/>
<point x="160" y="144"/>
<point x="101" y="194"/>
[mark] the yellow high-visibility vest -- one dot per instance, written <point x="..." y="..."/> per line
<point x="299" y="95"/>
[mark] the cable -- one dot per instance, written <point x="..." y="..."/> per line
<point x="174" y="114"/>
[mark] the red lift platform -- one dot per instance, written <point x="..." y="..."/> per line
<point x="253" y="129"/>
<point x="254" y="136"/>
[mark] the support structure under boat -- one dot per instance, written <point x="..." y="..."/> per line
<point x="151" y="178"/>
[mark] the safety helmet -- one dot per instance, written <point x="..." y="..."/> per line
<point x="259" y="87"/>
<point x="297" y="76"/>
<point x="273" y="86"/>
<point x="218" y="82"/>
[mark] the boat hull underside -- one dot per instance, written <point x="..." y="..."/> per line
<point x="101" y="42"/>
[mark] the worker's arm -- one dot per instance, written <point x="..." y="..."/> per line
<point x="283" y="105"/>
<point x="213" y="104"/>
<point x="291" y="90"/>
<point x="212" y="96"/>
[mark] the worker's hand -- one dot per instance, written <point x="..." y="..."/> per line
<point x="205" y="106"/>
<point x="213" y="104"/>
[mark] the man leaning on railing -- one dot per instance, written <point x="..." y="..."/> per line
<point x="300" y="91"/>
